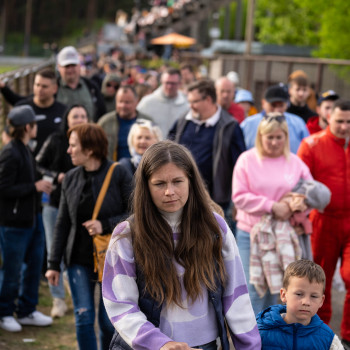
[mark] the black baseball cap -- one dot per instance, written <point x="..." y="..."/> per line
<point x="276" y="93"/>
<point x="22" y="115"/>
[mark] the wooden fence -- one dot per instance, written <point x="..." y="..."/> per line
<point x="257" y="72"/>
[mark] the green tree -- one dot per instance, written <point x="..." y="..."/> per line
<point x="285" y="22"/>
<point x="334" y="30"/>
<point x="321" y="23"/>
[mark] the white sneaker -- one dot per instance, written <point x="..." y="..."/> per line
<point x="8" y="323"/>
<point x="59" y="308"/>
<point x="36" y="318"/>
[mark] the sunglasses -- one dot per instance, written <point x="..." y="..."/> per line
<point x="277" y="118"/>
<point x="144" y="122"/>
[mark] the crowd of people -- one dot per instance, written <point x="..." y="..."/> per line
<point x="216" y="214"/>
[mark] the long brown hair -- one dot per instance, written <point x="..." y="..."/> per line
<point x="199" y="247"/>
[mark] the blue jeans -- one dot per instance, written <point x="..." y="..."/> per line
<point x="258" y="303"/>
<point x="228" y="217"/>
<point x="82" y="281"/>
<point x="22" y="251"/>
<point x="49" y="220"/>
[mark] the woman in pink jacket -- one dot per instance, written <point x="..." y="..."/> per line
<point x="261" y="177"/>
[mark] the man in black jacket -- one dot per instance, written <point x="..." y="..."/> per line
<point x="214" y="139"/>
<point x="46" y="108"/>
<point x="21" y="231"/>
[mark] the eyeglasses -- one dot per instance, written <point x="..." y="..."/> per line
<point x="196" y="101"/>
<point x="171" y="83"/>
<point x="116" y="87"/>
<point x="278" y="118"/>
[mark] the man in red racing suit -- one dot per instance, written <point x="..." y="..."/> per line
<point x="327" y="154"/>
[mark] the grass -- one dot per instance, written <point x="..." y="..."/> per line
<point x="59" y="336"/>
<point x="4" y="69"/>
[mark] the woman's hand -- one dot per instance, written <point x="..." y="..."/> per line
<point x="43" y="186"/>
<point x="94" y="227"/>
<point x="299" y="230"/>
<point x="53" y="277"/>
<point x="174" y="345"/>
<point x="60" y="177"/>
<point x="281" y="211"/>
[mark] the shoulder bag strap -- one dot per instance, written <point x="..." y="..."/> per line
<point x="103" y="191"/>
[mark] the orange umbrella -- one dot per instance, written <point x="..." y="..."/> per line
<point x="175" y="39"/>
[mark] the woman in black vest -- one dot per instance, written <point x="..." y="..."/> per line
<point x="74" y="227"/>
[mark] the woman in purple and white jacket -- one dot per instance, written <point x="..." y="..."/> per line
<point x="173" y="276"/>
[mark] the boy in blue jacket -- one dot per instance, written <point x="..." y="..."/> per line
<point x="296" y="325"/>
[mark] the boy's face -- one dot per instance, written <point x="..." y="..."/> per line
<point x="303" y="299"/>
<point x="298" y="94"/>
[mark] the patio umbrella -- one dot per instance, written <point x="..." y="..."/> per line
<point x="175" y="39"/>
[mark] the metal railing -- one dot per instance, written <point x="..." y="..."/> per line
<point x="20" y="81"/>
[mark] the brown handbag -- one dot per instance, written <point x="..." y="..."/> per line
<point x="100" y="242"/>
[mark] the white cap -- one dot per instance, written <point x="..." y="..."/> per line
<point x="233" y="76"/>
<point x="68" y="55"/>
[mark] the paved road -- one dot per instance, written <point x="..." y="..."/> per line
<point x="337" y="304"/>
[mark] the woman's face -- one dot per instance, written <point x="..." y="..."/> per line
<point x="169" y="188"/>
<point x="273" y="143"/>
<point x="142" y="139"/>
<point x="78" y="155"/>
<point x="76" y="116"/>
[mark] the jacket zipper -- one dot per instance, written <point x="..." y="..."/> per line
<point x="14" y="211"/>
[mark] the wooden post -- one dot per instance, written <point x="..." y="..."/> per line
<point x="3" y="25"/>
<point x="238" y="21"/>
<point x="249" y="29"/>
<point x="319" y="77"/>
<point x="227" y="22"/>
<point x="249" y="36"/>
<point x="28" y="26"/>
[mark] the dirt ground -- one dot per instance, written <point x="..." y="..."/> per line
<point x="59" y="336"/>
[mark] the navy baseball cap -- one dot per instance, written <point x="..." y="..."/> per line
<point x="327" y="95"/>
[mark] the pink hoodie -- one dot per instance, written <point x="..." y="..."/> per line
<point x="259" y="182"/>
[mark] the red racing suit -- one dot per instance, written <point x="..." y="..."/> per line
<point x="312" y="125"/>
<point x="328" y="158"/>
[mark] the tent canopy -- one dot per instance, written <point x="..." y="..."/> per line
<point x="175" y="39"/>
